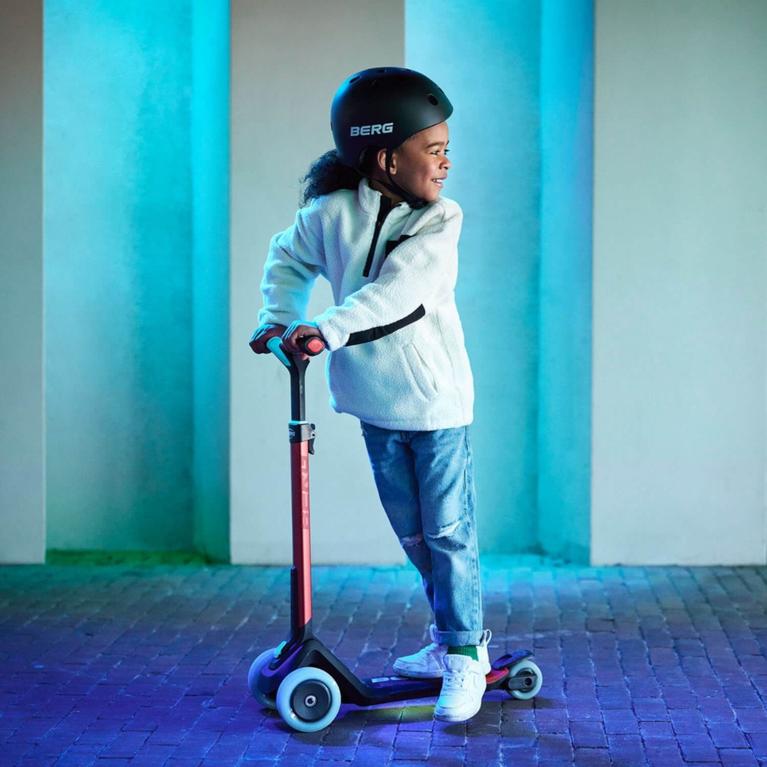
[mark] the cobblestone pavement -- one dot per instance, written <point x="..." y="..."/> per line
<point x="147" y="665"/>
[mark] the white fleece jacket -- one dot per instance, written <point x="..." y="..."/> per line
<point x="414" y="377"/>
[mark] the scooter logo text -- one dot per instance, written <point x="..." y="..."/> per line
<point x="372" y="130"/>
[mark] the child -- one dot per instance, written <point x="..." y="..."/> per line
<point x="374" y="224"/>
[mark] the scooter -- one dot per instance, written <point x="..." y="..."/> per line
<point x="301" y="677"/>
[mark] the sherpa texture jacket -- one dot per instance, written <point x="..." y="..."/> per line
<point x="397" y="355"/>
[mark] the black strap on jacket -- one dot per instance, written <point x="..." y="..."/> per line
<point x="373" y="334"/>
<point x="384" y="208"/>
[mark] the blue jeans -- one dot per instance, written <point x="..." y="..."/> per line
<point x="425" y="481"/>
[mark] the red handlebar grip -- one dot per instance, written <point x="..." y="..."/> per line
<point x="312" y="345"/>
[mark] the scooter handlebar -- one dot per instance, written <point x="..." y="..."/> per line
<point x="311" y="345"/>
<point x="274" y="345"/>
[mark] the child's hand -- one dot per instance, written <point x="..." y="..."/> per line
<point x="262" y="334"/>
<point x="299" y="329"/>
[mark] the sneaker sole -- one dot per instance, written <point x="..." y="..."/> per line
<point x="416" y="674"/>
<point x="425" y="675"/>
<point x="455" y="717"/>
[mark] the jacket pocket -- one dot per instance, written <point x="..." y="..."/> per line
<point x="420" y="371"/>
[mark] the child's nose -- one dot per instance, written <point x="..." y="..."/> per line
<point x="445" y="162"/>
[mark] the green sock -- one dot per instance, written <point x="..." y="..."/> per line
<point x="468" y="649"/>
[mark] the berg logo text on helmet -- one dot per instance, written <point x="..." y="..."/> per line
<point x="371" y="130"/>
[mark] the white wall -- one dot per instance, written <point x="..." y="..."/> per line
<point x="680" y="282"/>
<point x="22" y="456"/>
<point x="287" y="60"/>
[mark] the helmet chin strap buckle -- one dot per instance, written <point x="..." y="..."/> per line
<point x="413" y="201"/>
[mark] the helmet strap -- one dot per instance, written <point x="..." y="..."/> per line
<point x="393" y="186"/>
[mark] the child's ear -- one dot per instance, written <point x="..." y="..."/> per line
<point x="381" y="161"/>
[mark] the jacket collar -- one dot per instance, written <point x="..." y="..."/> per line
<point x="370" y="200"/>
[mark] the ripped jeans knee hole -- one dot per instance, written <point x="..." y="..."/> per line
<point x="411" y="540"/>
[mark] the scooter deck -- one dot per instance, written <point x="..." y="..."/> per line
<point x="374" y="690"/>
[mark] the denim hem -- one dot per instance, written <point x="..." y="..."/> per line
<point x="459" y="638"/>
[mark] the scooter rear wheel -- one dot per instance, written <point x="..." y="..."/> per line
<point x="308" y="699"/>
<point x="531" y="671"/>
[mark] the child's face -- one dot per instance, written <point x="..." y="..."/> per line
<point x="420" y="164"/>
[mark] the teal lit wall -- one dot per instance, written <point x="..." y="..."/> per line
<point x="210" y="274"/>
<point x="500" y="65"/>
<point x="132" y="270"/>
<point x="565" y="293"/>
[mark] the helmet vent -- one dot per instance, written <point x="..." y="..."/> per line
<point x="432" y="99"/>
<point x="354" y="79"/>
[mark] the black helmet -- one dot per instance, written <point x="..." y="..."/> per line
<point x="381" y="108"/>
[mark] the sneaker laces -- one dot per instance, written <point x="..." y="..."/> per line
<point x="454" y="679"/>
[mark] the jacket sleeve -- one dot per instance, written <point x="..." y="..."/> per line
<point x="296" y="256"/>
<point x="410" y="277"/>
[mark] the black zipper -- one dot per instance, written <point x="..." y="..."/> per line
<point x="383" y="211"/>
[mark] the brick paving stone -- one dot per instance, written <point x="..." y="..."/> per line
<point x="626" y="748"/>
<point x="654" y="729"/>
<point x="152" y="756"/>
<point x="584" y="711"/>
<point x="446" y="757"/>
<point x="555" y="747"/>
<point x="758" y="743"/>
<point x="697" y="749"/>
<point x="481" y="750"/>
<point x="74" y="760"/>
<point x="518" y="757"/>
<point x="661" y="752"/>
<point x="716" y="709"/>
<point x="588" y="735"/>
<point x="411" y="745"/>
<point x="741" y="757"/>
<point x="687" y="722"/>
<point x="450" y="735"/>
<point x="591" y="757"/>
<point x="551" y="721"/>
<point x="620" y="722"/>
<point x="226" y="753"/>
<point x="371" y="756"/>
<point x="264" y="743"/>
<point x="124" y="745"/>
<point x="194" y="746"/>
<point x="727" y="735"/>
<point x="752" y="720"/>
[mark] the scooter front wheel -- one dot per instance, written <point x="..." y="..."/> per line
<point x="263" y="660"/>
<point x="308" y="699"/>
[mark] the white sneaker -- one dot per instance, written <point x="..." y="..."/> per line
<point x="428" y="662"/>
<point x="463" y="686"/>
